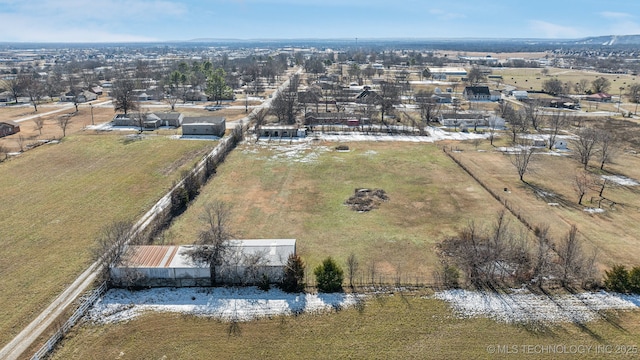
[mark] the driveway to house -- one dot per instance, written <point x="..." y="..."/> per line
<point x="63" y="108"/>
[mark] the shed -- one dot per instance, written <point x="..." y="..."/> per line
<point x="204" y="125"/>
<point x="246" y="262"/>
<point x="282" y="131"/>
<point x="520" y="95"/>
<point x="8" y="128"/>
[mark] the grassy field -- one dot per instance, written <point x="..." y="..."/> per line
<point x="532" y="78"/>
<point x="613" y="234"/>
<point x="276" y="194"/>
<point x="55" y="198"/>
<point x="387" y="327"/>
<point x="292" y="191"/>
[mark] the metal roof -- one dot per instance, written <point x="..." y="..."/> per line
<point x="274" y="251"/>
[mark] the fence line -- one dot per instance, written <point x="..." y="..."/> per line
<point x="216" y="156"/>
<point x="64" y="329"/>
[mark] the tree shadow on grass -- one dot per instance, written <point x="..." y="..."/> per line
<point x="549" y="196"/>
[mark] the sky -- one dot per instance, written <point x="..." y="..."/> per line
<point x="171" y="20"/>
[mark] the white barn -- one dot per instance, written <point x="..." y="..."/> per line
<point x="246" y="262"/>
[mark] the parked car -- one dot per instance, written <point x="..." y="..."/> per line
<point x="214" y="107"/>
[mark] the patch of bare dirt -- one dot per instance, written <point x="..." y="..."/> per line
<point x="366" y="199"/>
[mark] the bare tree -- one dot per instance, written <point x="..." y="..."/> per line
<point x="258" y="118"/>
<point x="123" y="95"/>
<point x="542" y="264"/>
<point x="352" y="268"/>
<point x="64" y="121"/>
<point x="581" y="183"/>
<point x="429" y="107"/>
<point x="608" y="147"/>
<point x="32" y="87"/>
<point x="634" y="94"/>
<point x="111" y="245"/>
<point x="521" y="157"/>
<point x="493" y="125"/>
<point x="533" y="117"/>
<point x="20" y="139"/>
<point x="557" y="121"/>
<point x="585" y="145"/>
<point x="212" y="244"/>
<point x="39" y="124"/>
<point x="573" y="265"/>
<point x="53" y="86"/>
<point x="582" y="86"/>
<point x="475" y="76"/>
<point x="517" y="123"/>
<point x="601" y="85"/>
<point x="15" y="86"/>
<point x="388" y="96"/>
<point x="4" y="151"/>
<point x="553" y="86"/>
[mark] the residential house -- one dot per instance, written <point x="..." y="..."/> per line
<point x="8" y="128"/>
<point x="173" y="119"/>
<point x="6" y="97"/>
<point x="477" y="93"/>
<point x="82" y="96"/>
<point x="150" y="121"/>
<point x="600" y="97"/>
<point x="204" y="125"/>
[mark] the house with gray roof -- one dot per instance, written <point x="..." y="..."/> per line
<point x="204" y="125"/>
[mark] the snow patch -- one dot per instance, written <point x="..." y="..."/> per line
<point x="238" y="304"/>
<point x="593" y="210"/>
<point x="523" y="307"/>
<point x="621" y="180"/>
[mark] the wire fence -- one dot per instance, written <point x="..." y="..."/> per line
<point x="64" y="329"/>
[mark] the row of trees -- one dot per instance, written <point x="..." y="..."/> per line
<point x="498" y="255"/>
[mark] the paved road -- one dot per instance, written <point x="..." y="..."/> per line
<point x="17" y="346"/>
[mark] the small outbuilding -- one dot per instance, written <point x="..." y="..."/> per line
<point x="8" y="128"/>
<point x="245" y="262"/>
<point x="204" y="125"/>
<point x="282" y="131"/>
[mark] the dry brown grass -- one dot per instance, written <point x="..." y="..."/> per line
<point x="55" y="199"/>
<point x="614" y="233"/>
<point x="388" y="327"/>
<point x="430" y="197"/>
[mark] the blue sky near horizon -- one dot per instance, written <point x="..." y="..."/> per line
<point x="167" y="20"/>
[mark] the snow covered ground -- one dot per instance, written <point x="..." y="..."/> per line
<point x="621" y="180"/>
<point x="241" y="304"/>
<point x="521" y="306"/>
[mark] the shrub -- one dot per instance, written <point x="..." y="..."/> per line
<point x="634" y="280"/>
<point x="450" y="277"/>
<point x="264" y="283"/>
<point x="293" y="279"/>
<point x="329" y="276"/>
<point x="617" y="279"/>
